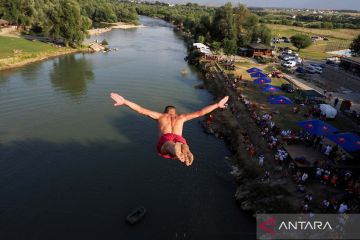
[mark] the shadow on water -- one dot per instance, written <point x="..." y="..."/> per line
<point x="71" y="73"/>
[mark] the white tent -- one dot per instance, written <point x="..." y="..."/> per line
<point x="328" y="110"/>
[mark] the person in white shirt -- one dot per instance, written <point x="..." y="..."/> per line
<point x="328" y="149"/>
<point x="343" y="208"/>
<point x="304" y="177"/>
<point x="261" y="160"/>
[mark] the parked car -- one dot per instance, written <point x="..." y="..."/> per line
<point x="300" y="70"/>
<point x="287" y="51"/>
<point x="289" y="64"/>
<point x="288" y="58"/>
<point x="316" y="66"/>
<point x="287" y="87"/>
<point x="310" y="69"/>
<point x="277" y="40"/>
<point x="298" y="60"/>
<point x="333" y="60"/>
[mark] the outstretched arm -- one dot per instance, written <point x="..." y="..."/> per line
<point x="119" y="101"/>
<point x="206" y="110"/>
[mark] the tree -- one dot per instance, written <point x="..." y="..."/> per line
<point x="301" y="41"/>
<point x="230" y="46"/>
<point x="67" y="23"/>
<point x="216" y="46"/>
<point x="201" y="39"/>
<point x="355" y="46"/>
<point x="327" y="25"/>
<point x="263" y="33"/>
<point x="223" y="23"/>
<point x="19" y="12"/>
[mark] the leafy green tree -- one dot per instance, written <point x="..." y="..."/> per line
<point x="230" y="46"/>
<point x="201" y="39"/>
<point x="355" y="46"/>
<point x="19" y="12"/>
<point x="67" y="23"/>
<point x="263" y="33"/>
<point x="327" y="25"/>
<point x="223" y="23"/>
<point x="215" y="46"/>
<point x="301" y="41"/>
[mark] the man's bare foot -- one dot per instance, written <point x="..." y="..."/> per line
<point x="178" y="153"/>
<point x="189" y="157"/>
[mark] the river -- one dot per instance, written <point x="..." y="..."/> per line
<point x="72" y="166"/>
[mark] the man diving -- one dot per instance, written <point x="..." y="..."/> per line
<point x="171" y="143"/>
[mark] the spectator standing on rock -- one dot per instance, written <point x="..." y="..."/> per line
<point x="343" y="208"/>
<point x="261" y="160"/>
<point x="304" y="177"/>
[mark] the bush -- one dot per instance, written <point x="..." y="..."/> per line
<point x="263" y="60"/>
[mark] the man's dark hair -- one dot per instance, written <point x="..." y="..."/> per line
<point x="167" y="108"/>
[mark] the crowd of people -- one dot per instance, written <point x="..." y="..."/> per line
<point x="324" y="172"/>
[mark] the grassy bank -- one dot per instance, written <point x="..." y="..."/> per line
<point x="338" y="39"/>
<point x="15" y="51"/>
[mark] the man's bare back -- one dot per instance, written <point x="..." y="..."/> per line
<point x="169" y="123"/>
<point x="171" y="142"/>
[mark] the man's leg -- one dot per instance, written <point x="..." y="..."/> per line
<point x="189" y="157"/>
<point x="173" y="149"/>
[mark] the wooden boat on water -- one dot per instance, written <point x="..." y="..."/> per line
<point x="136" y="215"/>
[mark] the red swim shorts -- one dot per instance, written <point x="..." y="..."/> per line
<point x="169" y="137"/>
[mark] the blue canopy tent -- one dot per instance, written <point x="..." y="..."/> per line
<point x="269" y="88"/>
<point x="262" y="80"/>
<point x="253" y="70"/>
<point x="317" y="127"/>
<point x="348" y="141"/>
<point x="279" y="100"/>
<point x="258" y="75"/>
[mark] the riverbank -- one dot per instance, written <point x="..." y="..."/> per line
<point x="17" y="52"/>
<point x="118" y="25"/>
<point x="270" y="180"/>
<point x="255" y="193"/>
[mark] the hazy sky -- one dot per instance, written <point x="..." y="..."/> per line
<point x="321" y="4"/>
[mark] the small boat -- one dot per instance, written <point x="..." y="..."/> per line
<point x="136" y="215"/>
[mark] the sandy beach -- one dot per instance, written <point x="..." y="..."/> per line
<point x="119" y="25"/>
